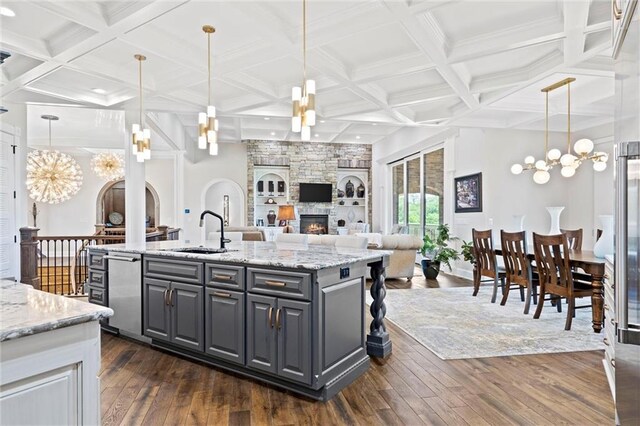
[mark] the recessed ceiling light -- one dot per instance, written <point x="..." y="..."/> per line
<point x="99" y="91"/>
<point x="273" y="133"/>
<point x="322" y="121"/>
<point x="267" y="118"/>
<point x="374" y="124"/>
<point x="316" y="135"/>
<point x="357" y="137"/>
<point x="5" y="11"/>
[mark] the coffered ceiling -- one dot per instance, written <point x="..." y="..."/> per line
<point x="379" y="65"/>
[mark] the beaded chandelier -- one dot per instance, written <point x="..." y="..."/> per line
<point x="108" y="166"/>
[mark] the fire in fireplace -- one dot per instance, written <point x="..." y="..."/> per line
<point x="314" y="224"/>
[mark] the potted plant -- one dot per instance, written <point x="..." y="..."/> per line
<point x="436" y="252"/>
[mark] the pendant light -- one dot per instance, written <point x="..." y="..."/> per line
<point x="304" y="98"/>
<point x="554" y="157"/>
<point x="52" y="176"/>
<point x="207" y="121"/>
<point x="141" y="137"/>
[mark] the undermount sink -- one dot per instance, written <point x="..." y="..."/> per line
<point x="201" y="250"/>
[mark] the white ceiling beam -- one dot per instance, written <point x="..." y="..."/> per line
<point x="77" y="12"/>
<point x="418" y="96"/>
<point x="429" y="39"/>
<point x="575" y="14"/>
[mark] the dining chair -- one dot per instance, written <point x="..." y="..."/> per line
<point x="517" y="267"/>
<point x="556" y="277"/>
<point x="574" y="238"/>
<point x="352" y="241"/>
<point x="486" y="264"/>
<point x="292" y="238"/>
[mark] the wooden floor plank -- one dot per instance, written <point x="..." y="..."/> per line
<point x="143" y="385"/>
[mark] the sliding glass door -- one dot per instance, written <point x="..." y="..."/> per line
<point x="418" y="192"/>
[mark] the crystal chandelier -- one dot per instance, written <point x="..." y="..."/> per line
<point x="141" y="137"/>
<point x="108" y="166"/>
<point x="554" y="157"/>
<point x="207" y="121"/>
<point x="304" y="98"/>
<point x="52" y="176"/>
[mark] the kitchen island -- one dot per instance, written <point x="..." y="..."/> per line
<point x="290" y="315"/>
<point x="49" y="357"/>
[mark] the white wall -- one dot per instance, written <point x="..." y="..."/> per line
<point x="231" y="163"/>
<point x="492" y="152"/>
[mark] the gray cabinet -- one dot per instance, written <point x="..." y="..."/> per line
<point x="173" y="312"/>
<point x="156" y="311"/>
<point x="261" y="333"/>
<point x="279" y="337"/>
<point x="294" y="340"/>
<point x="224" y="324"/>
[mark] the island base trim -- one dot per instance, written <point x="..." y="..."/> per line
<point x="323" y="394"/>
<point x="379" y="346"/>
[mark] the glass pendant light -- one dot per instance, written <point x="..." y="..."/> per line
<point x="304" y="98"/>
<point x="207" y="121"/>
<point x="141" y="136"/>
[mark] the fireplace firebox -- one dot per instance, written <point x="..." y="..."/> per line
<point x="314" y="224"/>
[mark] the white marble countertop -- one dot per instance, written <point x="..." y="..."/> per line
<point x="262" y="253"/>
<point x="25" y="311"/>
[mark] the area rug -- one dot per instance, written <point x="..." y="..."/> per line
<point x="455" y="325"/>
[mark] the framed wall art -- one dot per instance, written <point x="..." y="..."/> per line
<point x="468" y="193"/>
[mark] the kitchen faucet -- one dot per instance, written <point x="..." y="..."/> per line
<point x="222" y="239"/>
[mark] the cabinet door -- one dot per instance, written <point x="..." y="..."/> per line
<point x="261" y="333"/>
<point x="156" y="312"/>
<point x="187" y="319"/>
<point x="294" y="340"/>
<point x="224" y="326"/>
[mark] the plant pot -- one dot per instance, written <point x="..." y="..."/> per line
<point x="430" y="269"/>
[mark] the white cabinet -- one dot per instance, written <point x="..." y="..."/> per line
<point x="609" y="360"/>
<point x="51" y="377"/>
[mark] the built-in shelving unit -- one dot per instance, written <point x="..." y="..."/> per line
<point x="260" y="198"/>
<point x="345" y="207"/>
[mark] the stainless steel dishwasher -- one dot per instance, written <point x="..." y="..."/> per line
<point x="125" y="293"/>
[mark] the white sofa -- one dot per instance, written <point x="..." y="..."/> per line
<point x="402" y="261"/>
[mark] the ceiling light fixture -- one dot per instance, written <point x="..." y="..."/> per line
<point x="207" y="121"/>
<point x="108" y="166"/>
<point x="357" y="137"/>
<point x="267" y="118"/>
<point x="554" y="157"/>
<point x="5" y="11"/>
<point x="141" y="146"/>
<point x="273" y="133"/>
<point x="99" y="91"/>
<point x="52" y="176"/>
<point x="304" y="98"/>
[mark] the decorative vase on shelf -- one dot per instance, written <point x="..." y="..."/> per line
<point x="271" y="217"/>
<point x="518" y="222"/>
<point x="349" y="189"/>
<point x="360" y="191"/>
<point x="340" y="193"/>
<point x="604" y="245"/>
<point x="555" y="212"/>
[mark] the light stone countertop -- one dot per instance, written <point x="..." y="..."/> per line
<point x="25" y="311"/>
<point x="259" y="253"/>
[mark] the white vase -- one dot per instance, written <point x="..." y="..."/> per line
<point x="604" y="245"/>
<point x="555" y="212"/>
<point x="518" y="222"/>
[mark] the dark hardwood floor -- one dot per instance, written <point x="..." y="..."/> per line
<point x="141" y="385"/>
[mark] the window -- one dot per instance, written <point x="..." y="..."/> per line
<point x="418" y="192"/>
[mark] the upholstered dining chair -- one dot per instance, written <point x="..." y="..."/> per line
<point x="486" y="264"/>
<point x="517" y="268"/>
<point x="555" y="275"/>
<point x="574" y="238"/>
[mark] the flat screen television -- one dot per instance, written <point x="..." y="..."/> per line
<point x="316" y="192"/>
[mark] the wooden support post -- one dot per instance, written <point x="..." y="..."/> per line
<point x="165" y="232"/>
<point x="29" y="257"/>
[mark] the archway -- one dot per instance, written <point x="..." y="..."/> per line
<point x="111" y="198"/>
<point x="212" y="198"/>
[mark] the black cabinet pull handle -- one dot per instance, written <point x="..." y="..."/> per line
<point x="171" y="296"/>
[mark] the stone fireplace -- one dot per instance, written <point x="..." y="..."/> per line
<point x="314" y="224"/>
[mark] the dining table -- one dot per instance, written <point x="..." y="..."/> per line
<point x="593" y="267"/>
